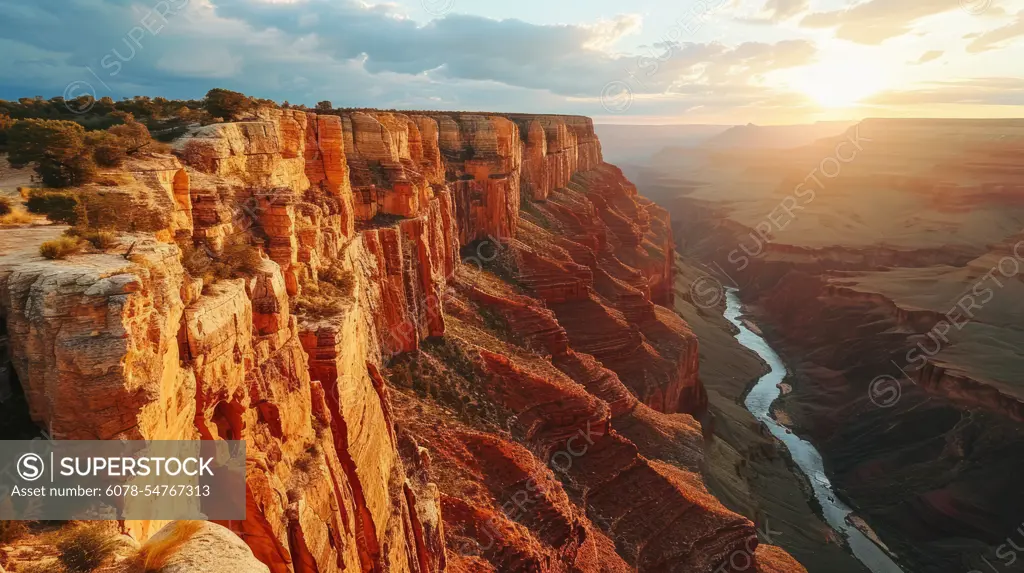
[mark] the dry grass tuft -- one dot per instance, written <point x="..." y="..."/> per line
<point x="16" y="219"/>
<point x="328" y="297"/>
<point x="44" y="567"/>
<point x="83" y="548"/>
<point x="60" y="248"/>
<point x="100" y="239"/>
<point x="238" y="258"/>
<point x="155" y="554"/>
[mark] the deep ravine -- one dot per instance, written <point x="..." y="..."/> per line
<point x="759" y="401"/>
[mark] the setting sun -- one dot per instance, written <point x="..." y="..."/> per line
<point x="444" y="286"/>
<point x="841" y="83"/>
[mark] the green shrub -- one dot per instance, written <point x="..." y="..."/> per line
<point x="58" y="206"/>
<point x="83" y="549"/>
<point x="72" y="172"/>
<point x="55" y="147"/>
<point x="227" y="104"/>
<point x="108" y="149"/>
<point x="133" y="136"/>
<point x="5" y="124"/>
<point x="60" y="248"/>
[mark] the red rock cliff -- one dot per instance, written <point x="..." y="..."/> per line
<point x="550" y="319"/>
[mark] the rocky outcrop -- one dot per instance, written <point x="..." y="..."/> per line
<point x="367" y="367"/>
<point x="191" y="547"/>
<point x="555" y="148"/>
<point x="904" y="347"/>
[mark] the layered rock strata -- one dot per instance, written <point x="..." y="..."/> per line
<point x="551" y="325"/>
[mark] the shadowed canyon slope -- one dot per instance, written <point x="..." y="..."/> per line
<point x="885" y="265"/>
<point x="455" y="352"/>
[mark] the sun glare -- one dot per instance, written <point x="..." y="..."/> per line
<point x="840" y="84"/>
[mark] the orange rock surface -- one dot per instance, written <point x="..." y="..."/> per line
<point x="543" y="362"/>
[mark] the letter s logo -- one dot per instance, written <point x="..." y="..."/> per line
<point x="30" y="467"/>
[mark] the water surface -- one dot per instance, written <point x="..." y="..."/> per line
<point x="759" y="402"/>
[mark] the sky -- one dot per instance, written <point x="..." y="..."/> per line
<point x="627" y="61"/>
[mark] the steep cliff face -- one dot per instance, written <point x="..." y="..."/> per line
<point x="547" y="337"/>
<point x="893" y="290"/>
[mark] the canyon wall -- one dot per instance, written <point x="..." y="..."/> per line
<point x="520" y="276"/>
<point x="904" y="347"/>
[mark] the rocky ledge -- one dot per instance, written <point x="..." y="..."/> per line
<point x="452" y="353"/>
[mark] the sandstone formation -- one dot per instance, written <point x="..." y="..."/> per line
<point x="885" y="266"/>
<point x="451" y="353"/>
<point x="209" y="548"/>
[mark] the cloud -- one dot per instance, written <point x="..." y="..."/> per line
<point x="929" y="56"/>
<point x="356" y="54"/>
<point x="975" y="91"/>
<point x="775" y="11"/>
<point x="875" y="21"/>
<point x="997" y="38"/>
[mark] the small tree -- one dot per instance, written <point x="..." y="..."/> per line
<point x="226" y="104"/>
<point x="188" y="115"/>
<point x="324" y="106"/>
<point x="108" y="149"/>
<point x="55" y="147"/>
<point x="58" y="206"/>
<point x="5" y="124"/>
<point x="134" y="136"/>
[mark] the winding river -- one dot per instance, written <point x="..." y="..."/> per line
<point x="759" y="402"/>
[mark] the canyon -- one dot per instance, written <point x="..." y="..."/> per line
<point x="883" y="263"/>
<point x="457" y="350"/>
